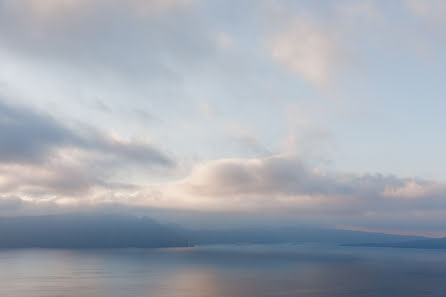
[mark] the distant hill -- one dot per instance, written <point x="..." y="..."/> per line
<point x="432" y="243"/>
<point x="86" y="231"/>
<point x="292" y="235"/>
<point x="121" y="231"/>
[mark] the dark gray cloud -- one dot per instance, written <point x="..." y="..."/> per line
<point x="134" y="151"/>
<point x="28" y="136"/>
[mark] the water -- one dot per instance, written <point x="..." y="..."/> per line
<point x="224" y="271"/>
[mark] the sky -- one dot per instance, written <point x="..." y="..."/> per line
<point x="222" y="113"/>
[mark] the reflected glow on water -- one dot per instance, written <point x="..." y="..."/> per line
<point x="295" y="270"/>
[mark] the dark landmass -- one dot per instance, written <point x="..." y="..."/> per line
<point x="291" y="235"/>
<point x="437" y="243"/>
<point x="120" y="231"/>
<point x="87" y="231"/>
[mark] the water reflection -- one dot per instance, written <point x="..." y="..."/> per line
<point x="223" y="271"/>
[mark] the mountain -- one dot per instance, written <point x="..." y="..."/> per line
<point x="433" y="243"/>
<point x="121" y="231"/>
<point x="86" y="231"/>
<point x="291" y="235"/>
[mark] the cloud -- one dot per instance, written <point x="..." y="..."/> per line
<point x="244" y="139"/>
<point x="415" y="189"/>
<point x="131" y="151"/>
<point x="28" y="136"/>
<point x="280" y="188"/>
<point x="276" y="175"/>
<point x="139" y="41"/>
<point x="64" y="172"/>
<point x="306" y="50"/>
<point x="31" y="137"/>
<point x="41" y="157"/>
<point x="51" y="8"/>
<point x="287" y="188"/>
<point x="127" y="59"/>
<point x="434" y="10"/>
<point x="307" y="134"/>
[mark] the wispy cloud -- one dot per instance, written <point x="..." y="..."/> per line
<point x="307" y="49"/>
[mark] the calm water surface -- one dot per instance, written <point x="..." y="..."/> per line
<point x="224" y="271"/>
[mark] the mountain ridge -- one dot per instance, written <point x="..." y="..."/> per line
<point x="126" y="231"/>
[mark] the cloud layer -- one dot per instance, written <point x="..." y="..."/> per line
<point x="47" y="166"/>
<point x="256" y="109"/>
<point x="282" y="187"/>
<point x="41" y="157"/>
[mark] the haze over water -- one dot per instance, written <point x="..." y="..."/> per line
<point x="223" y="271"/>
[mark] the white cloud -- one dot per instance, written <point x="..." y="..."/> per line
<point x="415" y="189"/>
<point x="284" y="183"/>
<point x="282" y="187"/>
<point x="308" y="49"/>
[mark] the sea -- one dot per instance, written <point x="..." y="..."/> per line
<point x="303" y="270"/>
